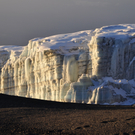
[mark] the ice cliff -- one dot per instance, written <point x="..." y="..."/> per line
<point x="93" y="66"/>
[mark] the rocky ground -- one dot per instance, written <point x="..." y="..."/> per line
<point x="24" y="116"/>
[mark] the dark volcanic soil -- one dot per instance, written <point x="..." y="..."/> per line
<point x="24" y="116"/>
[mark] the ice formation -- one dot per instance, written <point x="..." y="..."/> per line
<point x="93" y="66"/>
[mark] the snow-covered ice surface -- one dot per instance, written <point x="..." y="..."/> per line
<point x="8" y="51"/>
<point x="11" y="47"/>
<point x="91" y="66"/>
<point x="64" y="43"/>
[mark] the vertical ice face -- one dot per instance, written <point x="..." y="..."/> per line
<point x="96" y="67"/>
<point x="28" y="63"/>
<point x="70" y="68"/>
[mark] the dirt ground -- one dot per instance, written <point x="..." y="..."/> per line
<point x="25" y="116"/>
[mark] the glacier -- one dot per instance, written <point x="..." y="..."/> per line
<point x="91" y="66"/>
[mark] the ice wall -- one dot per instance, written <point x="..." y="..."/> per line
<point x="93" y="66"/>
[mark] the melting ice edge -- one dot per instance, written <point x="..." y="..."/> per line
<point x="91" y="66"/>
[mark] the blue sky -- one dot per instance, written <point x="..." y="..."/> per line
<point x="21" y="20"/>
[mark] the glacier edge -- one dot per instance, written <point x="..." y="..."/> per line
<point x="92" y="66"/>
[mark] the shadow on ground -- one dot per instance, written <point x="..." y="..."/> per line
<point x="8" y="101"/>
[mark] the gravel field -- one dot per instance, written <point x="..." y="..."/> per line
<point x="25" y="116"/>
